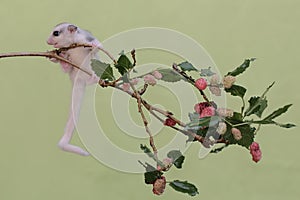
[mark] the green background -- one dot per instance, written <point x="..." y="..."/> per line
<point x="35" y="97"/>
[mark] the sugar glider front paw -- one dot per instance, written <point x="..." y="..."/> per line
<point x="66" y="67"/>
<point x="96" y="44"/>
<point x="54" y="60"/>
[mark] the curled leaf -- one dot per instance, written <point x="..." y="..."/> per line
<point x="242" y="67"/>
<point x="184" y="187"/>
<point x="151" y="176"/>
<point x="123" y="64"/>
<point x="186" y="66"/>
<point x="277" y="113"/>
<point x="206" y="72"/>
<point x="257" y="106"/>
<point x="177" y="158"/>
<point x="102" y="70"/>
<point x="168" y="75"/>
<point x="236" y="90"/>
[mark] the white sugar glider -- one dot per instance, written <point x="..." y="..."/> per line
<point x="64" y="35"/>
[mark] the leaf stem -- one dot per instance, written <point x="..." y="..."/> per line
<point x="241" y="124"/>
<point x="243" y="107"/>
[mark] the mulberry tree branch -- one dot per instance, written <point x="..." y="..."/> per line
<point x="136" y="94"/>
<point x="140" y="110"/>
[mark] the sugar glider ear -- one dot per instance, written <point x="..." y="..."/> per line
<point x="72" y="28"/>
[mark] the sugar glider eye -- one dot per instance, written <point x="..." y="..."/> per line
<point x="55" y="33"/>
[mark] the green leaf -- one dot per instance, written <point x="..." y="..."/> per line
<point x="257" y="105"/>
<point x="123" y="64"/>
<point x="102" y="70"/>
<point x="194" y="116"/>
<point x="206" y="72"/>
<point x="125" y="78"/>
<point x="237" y="116"/>
<point x="277" y="113"/>
<point x="151" y="173"/>
<point x="217" y="150"/>
<point x="246" y="130"/>
<point x="145" y="149"/>
<point x="151" y="176"/>
<point x="177" y="158"/>
<point x="241" y="68"/>
<point x="150" y="168"/>
<point x="247" y="135"/>
<point x="184" y="187"/>
<point x="179" y="161"/>
<point x="202" y="132"/>
<point x="186" y="66"/>
<point x="236" y="90"/>
<point x="169" y="75"/>
<point x="288" y="125"/>
<point x="122" y="53"/>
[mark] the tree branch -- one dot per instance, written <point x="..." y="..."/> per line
<point x="49" y="54"/>
<point x="136" y="94"/>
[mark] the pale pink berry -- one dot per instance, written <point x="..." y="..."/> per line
<point x="157" y="74"/>
<point x="222" y="128"/>
<point x="201" y="84"/>
<point x="134" y="81"/>
<point x="126" y="87"/>
<point x="225" y="112"/>
<point x="168" y="162"/>
<point x="236" y="133"/>
<point x="214" y="83"/>
<point x="215" y="90"/>
<point x="255" y="152"/>
<point x="207" y="112"/>
<point x="214" y="80"/>
<point x="159" y="168"/>
<point x="228" y="81"/>
<point x="150" y="79"/>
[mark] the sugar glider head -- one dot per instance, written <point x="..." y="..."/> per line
<point x="63" y="35"/>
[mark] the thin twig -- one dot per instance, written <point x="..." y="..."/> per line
<point x="133" y="57"/>
<point x="143" y="90"/>
<point x="55" y="54"/>
<point x="49" y="54"/>
<point x="88" y="45"/>
<point x="108" y="54"/>
<point x="140" y="110"/>
<point x="167" y="114"/>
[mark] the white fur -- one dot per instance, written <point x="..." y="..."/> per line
<point x="81" y="57"/>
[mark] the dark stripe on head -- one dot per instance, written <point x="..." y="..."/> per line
<point x="90" y="38"/>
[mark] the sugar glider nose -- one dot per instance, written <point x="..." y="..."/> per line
<point x="49" y="41"/>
